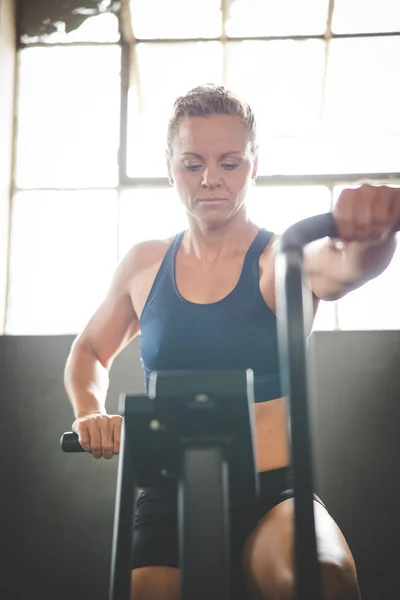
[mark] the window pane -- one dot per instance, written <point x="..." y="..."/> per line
<point x="63" y="255"/>
<point x="101" y="28"/>
<point x="247" y="18"/>
<point x="362" y="120"/>
<point x="362" y="93"/>
<point x="152" y="19"/>
<point x="375" y="305"/>
<point x="346" y="153"/>
<point x="68" y="117"/>
<point x="325" y="319"/>
<point x="154" y="88"/>
<point x="361" y="16"/>
<point x="278" y="207"/>
<point x="149" y="213"/>
<point x="281" y="80"/>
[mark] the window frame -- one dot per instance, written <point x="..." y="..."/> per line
<point x="127" y="41"/>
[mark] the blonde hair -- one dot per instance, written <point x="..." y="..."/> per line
<point x="207" y="100"/>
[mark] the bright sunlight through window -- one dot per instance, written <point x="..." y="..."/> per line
<point x="323" y="86"/>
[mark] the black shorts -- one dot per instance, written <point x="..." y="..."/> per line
<point x="155" y="540"/>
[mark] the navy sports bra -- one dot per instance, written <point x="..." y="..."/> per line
<point x="237" y="332"/>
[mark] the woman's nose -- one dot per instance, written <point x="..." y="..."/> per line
<point x="211" y="178"/>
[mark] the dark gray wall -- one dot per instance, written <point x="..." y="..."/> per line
<point x="57" y="510"/>
<point x="356" y="401"/>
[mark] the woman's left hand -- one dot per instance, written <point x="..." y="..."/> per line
<point x="368" y="213"/>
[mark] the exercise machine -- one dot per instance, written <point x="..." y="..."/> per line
<point x="185" y="430"/>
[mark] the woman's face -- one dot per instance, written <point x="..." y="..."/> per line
<point x="212" y="166"/>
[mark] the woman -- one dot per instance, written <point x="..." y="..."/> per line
<point x="205" y="299"/>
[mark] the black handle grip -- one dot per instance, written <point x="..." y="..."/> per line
<point x="70" y="442"/>
<point x="309" y="230"/>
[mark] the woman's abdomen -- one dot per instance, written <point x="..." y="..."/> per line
<point x="271" y="435"/>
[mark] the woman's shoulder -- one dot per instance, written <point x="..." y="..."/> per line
<point x="148" y="251"/>
<point x="146" y="256"/>
<point x="272" y="244"/>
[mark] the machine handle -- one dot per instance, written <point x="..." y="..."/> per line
<point x="308" y="230"/>
<point x="294" y="310"/>
<point x="69" y="442"/>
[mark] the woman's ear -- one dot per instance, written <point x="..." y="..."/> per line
<point x="255" y="167"/>
<point x="169" y="165"/>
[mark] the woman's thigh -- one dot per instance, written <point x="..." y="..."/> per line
<point x="268" y="555"/>
<point x="155" y="583"/>
<point x="155" y="574"/>
<point x="155" y="547"/>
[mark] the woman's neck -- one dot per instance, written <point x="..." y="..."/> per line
<point x="209" y="244"/>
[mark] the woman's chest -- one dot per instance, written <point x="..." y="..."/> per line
<point x="213" y="283"/>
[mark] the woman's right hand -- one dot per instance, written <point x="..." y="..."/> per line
<point x="99" y="434"/>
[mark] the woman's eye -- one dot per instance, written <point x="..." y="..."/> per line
<point x="193" y="167"/>
<point x="226" y="166"/>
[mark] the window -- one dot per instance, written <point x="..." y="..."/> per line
<point x="63" y="255"/>
<point x="358" y="16"/>
<point x="260" y="18"/>
<point x="322" y="84"/>
<point x="102" y="28"/>
<point x="68" y="117"/>
<point x="375" y="304"/>
<point x="175" y="19"/>
<point x="147" y="115"/>
<point x="148" y="213"/>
